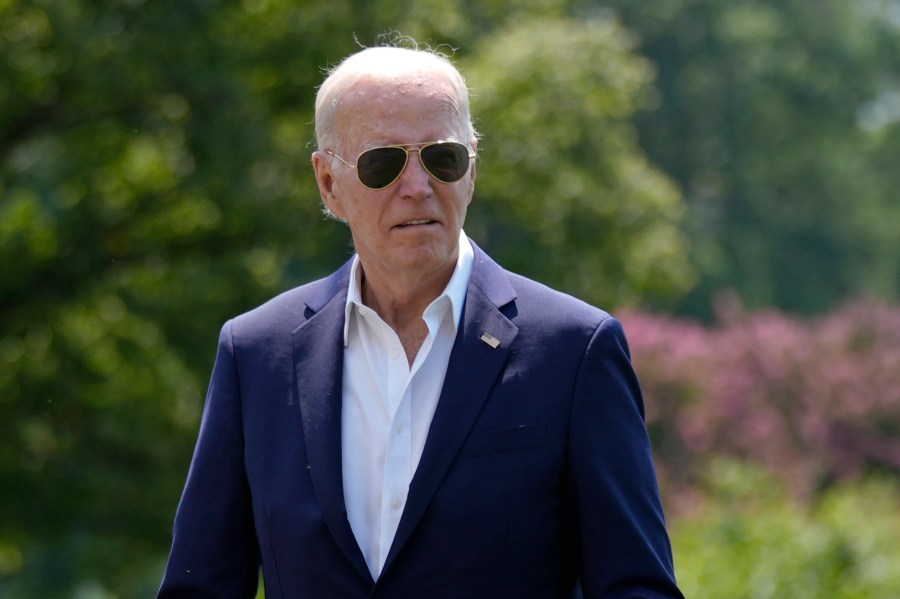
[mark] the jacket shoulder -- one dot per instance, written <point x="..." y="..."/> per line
<point x="537" y="301"/>
<point x="286" y="311"/>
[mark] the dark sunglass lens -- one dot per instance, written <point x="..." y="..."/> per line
<point x="447" y="161"/>
<point x="377" y="168"/>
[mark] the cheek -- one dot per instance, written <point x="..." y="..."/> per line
<point x="360" y="212"/>
<point x="462" y="208"/>
<point x="336" y="207"/>
<point x="470" y="192"/>
<point x="341" y="203"/>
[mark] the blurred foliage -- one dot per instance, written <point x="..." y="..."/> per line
<point x="747" y="539"/>
<point x="780" y="121"/>
<point x="155" y="180"/>
<point x="582" y="184"/>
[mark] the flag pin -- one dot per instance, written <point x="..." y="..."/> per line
<point x="491" y="340"/>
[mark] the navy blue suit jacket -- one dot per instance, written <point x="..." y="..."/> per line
<point x="536" y="472"/>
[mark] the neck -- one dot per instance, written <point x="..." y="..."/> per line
<point x="400" y="302"/>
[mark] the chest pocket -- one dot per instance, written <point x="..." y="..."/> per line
<point x="504" y="440"/>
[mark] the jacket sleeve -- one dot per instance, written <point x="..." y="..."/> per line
<point x="624" y="547"/>
<point x="214" y="550"/>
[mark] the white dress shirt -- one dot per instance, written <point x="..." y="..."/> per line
<point x="388" y="406"/>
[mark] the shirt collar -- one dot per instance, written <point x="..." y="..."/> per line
<point x="455" y="291"/>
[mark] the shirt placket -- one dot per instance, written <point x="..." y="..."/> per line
<point x="398" y="453"/>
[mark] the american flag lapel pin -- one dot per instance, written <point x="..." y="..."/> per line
<point x="490" y="340"/>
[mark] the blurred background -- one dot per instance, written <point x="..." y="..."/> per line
<point x="722" y="176"/>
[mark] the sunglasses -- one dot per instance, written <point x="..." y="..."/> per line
<point x="446" y="161"/>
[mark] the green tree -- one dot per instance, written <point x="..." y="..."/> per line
<point x="564" y="192"/>
<point x="777" y="119"/>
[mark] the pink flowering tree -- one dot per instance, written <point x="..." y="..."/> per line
<point x="812" y="400"/>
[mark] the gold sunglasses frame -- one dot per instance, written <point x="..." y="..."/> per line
<point x="407" y="148"/>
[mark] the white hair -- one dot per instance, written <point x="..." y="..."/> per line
<point x="386" y="62"/>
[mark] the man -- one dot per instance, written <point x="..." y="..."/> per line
<point x="421" y="423"/>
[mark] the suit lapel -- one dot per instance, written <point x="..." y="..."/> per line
<point x="475" y="363"/>
<point x="318" y="372"/>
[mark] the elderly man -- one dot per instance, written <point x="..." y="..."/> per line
<point x="422" y="423"/>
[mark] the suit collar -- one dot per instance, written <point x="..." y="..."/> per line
<point x="490" y="278"/>
<point x="327" y="289"/>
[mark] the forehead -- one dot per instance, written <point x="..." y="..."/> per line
<point x="394" y="110"/>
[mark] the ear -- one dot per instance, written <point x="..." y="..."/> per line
<point x="473" y="171"/>
<point x="471" y="183"/>
<point x="327" y="182"/>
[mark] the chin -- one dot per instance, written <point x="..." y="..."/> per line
<point x="427" y="257"/>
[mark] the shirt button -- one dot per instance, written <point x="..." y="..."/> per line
<point x="396" y="504"/>
<point x="394" y="354"/>
<point x="399" y="428"/>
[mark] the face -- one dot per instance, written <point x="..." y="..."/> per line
<point x="412" y="226"/>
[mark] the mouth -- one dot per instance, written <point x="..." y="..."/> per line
<point x="416" y="223"/>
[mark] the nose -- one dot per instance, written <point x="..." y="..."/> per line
<point x="414" y="180"/>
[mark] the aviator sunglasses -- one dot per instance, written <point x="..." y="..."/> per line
<point x="377" y="168"/>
